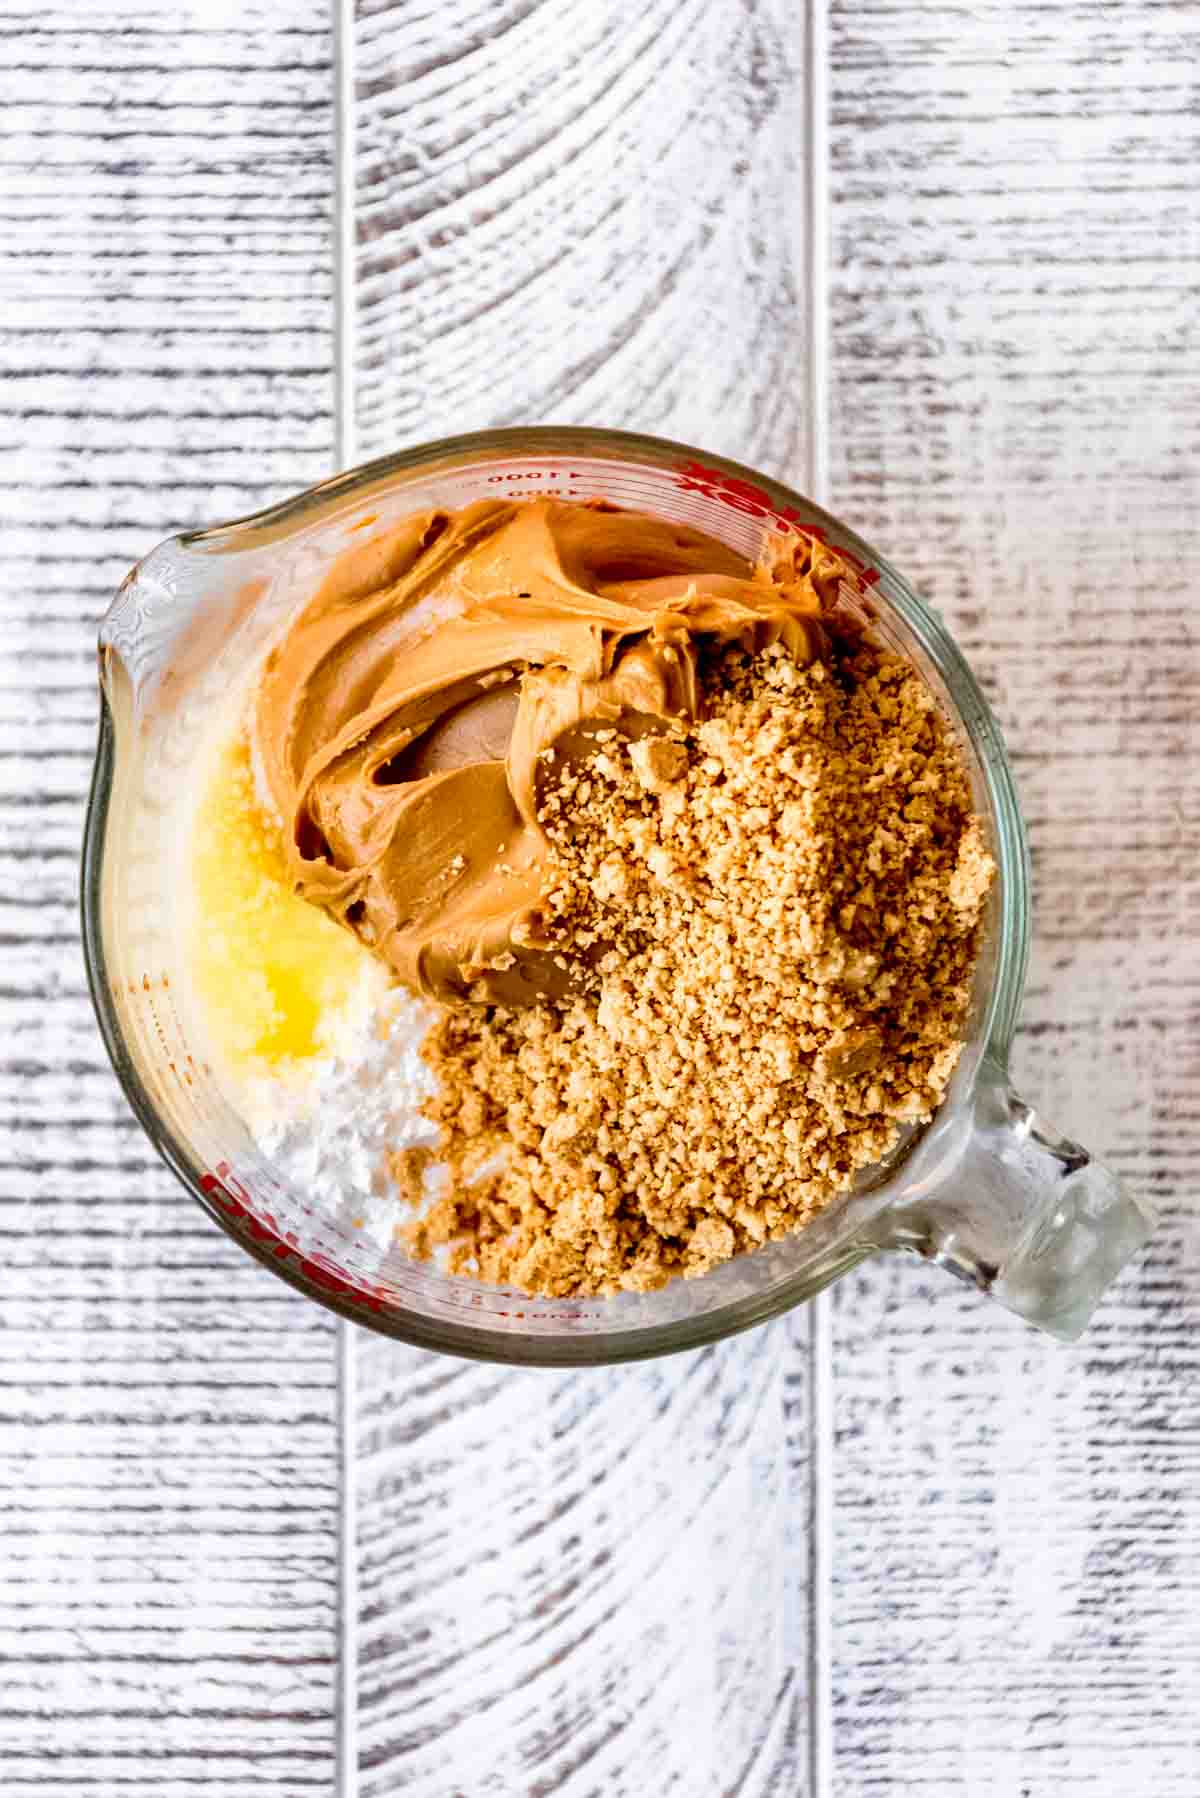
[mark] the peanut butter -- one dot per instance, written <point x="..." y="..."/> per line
<point x="408" y="718"/>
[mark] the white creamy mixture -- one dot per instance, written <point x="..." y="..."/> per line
<point x="331" y="1129"/>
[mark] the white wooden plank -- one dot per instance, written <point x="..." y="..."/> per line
<point x="591" y="1582"/>
<point x="168" y="1473"/>
<point x="582" y="214"/>
<point x="1016" y="397"/>
<point x="582" y="1583"/>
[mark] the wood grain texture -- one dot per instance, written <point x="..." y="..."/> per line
<point x="168" y="1474"/>
<point x="596" y="1585"/>
<point x="582" y="214"/>
<point x="583" y="1583"/>
<point x="1015" y="418"/>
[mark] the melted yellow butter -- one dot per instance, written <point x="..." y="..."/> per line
<point x="271" y="971"/>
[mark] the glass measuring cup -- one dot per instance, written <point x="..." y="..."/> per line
<point x="988" y="1191"/>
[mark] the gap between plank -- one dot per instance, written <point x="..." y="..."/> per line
<point x="347" y="1629"/>
<point x="817" y="252"/>
<point x="345" y="311"/>
<point x="820" y="1561"/>
<point x="345" y="452"/>
<point x="815" y="276"/>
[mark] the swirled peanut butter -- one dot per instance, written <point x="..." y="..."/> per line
<point x="407" y="717"/>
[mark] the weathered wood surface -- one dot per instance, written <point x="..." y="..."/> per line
<point x="168" y="1469"/>
<point x="1015" y="414"/>
<point x="581" y="213"/>
<point x="596" y="1582"/>
<point x="575" y="1584"/>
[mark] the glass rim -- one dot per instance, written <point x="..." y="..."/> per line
<point x="1011" y="942"/>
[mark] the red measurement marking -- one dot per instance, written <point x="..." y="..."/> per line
<point x="756" y="502"/>
<point x="261" y="1227"/>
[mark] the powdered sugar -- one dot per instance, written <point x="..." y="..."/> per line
<point x="331" y="1129"/>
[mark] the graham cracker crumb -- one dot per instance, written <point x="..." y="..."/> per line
<point x="408" y="1168"/>
<point x="770" y="924"/>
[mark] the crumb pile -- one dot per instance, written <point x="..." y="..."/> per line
<point x="770" y="919"/>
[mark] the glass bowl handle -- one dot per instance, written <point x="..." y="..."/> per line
<point x="1022" y="1213"/>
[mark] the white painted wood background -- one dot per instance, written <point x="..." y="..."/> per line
<point x="895" y="1542"/>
